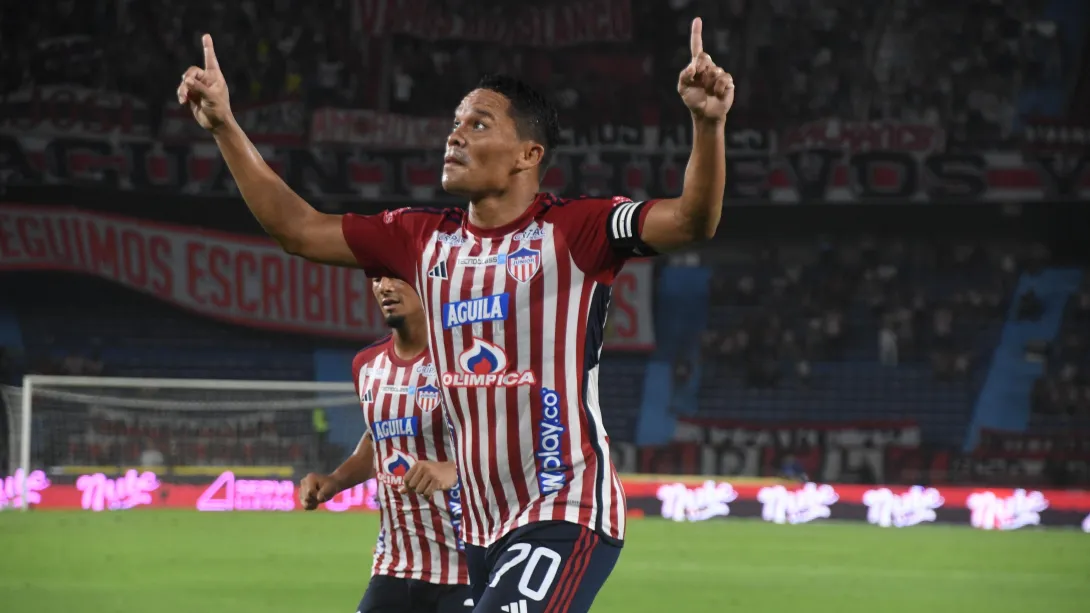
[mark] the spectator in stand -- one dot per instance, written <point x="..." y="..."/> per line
<point x="150" y="455"/>
<point x="91" y="44"/>
<point x="1030" y="306"/>
<point x="7" y="367"/>
<point x="955" y="64"/>
<point x="792" y="469"/>
<point x="887" y="343"/>
<point x="1082" y="303"/>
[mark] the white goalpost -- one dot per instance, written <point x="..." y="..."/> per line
<point x="61" y="425"/>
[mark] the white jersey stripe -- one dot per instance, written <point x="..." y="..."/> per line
<point x="594" y="419"/>
<point x="548" y="349"/>
<point x="419" y="448"/>
<point x="479" y="396"/>
<point x="473" y="441"/>
<point x="526" y="360"/>
<point x="391" y="407"/>
<point x="500" y="444"/>
<point x="572" y="403"/>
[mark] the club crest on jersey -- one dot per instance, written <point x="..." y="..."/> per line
<point x="523" y="264"/>
<point x="389" y="428"/>
<point x="484" y="364"/>
<point x="394" y="468"/>
<point x="427" y="397"/>
<point x="476" y="310"/>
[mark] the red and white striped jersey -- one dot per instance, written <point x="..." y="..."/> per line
<point x="517" y="316"/>
<point x="419" y="538"/>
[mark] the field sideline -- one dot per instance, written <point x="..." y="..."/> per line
<point x="182" y="562"/>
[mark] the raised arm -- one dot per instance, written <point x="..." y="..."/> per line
<point x="297" y="226"/>
<point x="708" y="92"/>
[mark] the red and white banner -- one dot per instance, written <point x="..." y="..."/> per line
<point x="243" y="280"/>
<point x="378" y="129"/>
<point x="555" y="24"/>
<point x="74" y="111"/>
<point x="282" y="122"/>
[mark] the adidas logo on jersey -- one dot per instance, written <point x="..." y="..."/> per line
<point x="367" y="397"/>
<point x="515" y="607"/>
<point x="439" y="271"/>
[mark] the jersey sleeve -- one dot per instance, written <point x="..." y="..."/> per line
<point x="358" y="362"/>
<point x="603" y="233"/>
<point x="386" y="244"/>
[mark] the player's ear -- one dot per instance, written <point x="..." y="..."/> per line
<point x="533" y="154"/>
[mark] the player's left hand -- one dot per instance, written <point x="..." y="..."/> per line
<point x="705" y="88"/>
<point x="425" y="477"/>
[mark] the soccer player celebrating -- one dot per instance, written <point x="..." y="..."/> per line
<point x="419" y="564"/>
<point x="515" y="289"/>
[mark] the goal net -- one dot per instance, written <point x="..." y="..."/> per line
<point x="61" y="428"/>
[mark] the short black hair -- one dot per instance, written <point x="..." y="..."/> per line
<point x="535" y="118"/>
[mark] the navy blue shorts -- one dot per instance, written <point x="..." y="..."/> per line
<point x="545" y="567"/>
<point x="393" y="595"/>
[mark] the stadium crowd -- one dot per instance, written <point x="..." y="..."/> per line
<point x="823" y="302"/>
<point x="914" y="60"/>
<point x="775" y="315"/>
<point x="1063" y="391"/>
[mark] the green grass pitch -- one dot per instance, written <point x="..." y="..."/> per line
<point x="185" y="562"/>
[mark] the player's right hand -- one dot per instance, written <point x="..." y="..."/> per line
<point x="315" y="489"/>
<point x="204" y="90"/>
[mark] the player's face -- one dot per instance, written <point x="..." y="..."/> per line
<point x="397" y="299"/>
<point x="483" y="149"/>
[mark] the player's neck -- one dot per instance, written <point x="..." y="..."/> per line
<point x="408" y="345"/>
<point x="499" y="210"/>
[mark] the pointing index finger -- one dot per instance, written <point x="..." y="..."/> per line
<point x="210" y="61"/>
<point x="696" y="41"/>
